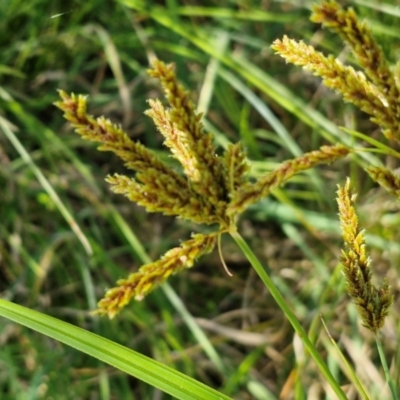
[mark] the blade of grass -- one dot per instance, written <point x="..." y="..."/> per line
<point x="263" y="109"/>
<point x="45" y="135"/>
<point x="289" y="314"/>
<point x="150" y="371"/>
<point x="208" y="86"/>
<point x="46" y="186"/>
<point x="220" y="12"/>
<point x="379" y="145"/>
<point x="383" y="8"/>
<point x="350" y="371"/>
<point x="114" y="62"/>
<point x="382" y="357"/>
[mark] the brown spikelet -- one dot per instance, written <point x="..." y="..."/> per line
<point x="158" y="195"/>
<point x="111" y="137"/>
<point x="386" y="178"/>
<point x="358" y="36"/>
<point x="140" y="283"/>
<point x="352" y="85"/>
<point x="372" y="303"/>
<point x="251" y="193"/>
<point x="186" y="137"/>
<point x="235" y="166"/>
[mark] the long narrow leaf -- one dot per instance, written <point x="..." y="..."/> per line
<point x="46" y="185"/>
<point x="153" y="372"/>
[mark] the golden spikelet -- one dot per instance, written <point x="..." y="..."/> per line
<point x="358" y="36"/>
<point x="372" y="303"/>
<point x="235" y="167"/>
<point x="138" y="284"/>
<point x="185" y="136"/>
<point x="386" y="178"/>
<point x="251" y="193"/>
<point x="374" y="91"/>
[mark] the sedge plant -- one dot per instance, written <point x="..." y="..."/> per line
<point x="215" y="190"/>
<point x="375" y="91"/>
<point x="212" y="189"/>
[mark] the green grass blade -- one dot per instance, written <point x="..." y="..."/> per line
<point x="289" y="314"/>
<point x="350" y="370"/>
<point x="263" y="109"/>
<point x="197" y="332"/>
<point x="153" y="372"/>
<point x="389" y="380"/>
<point x="46" y="186"/>
<point x="220" y="12"/>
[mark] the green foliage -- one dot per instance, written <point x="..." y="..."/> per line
<point x="64" y="238"/>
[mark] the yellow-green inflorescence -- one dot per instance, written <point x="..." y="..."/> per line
<point x="372" y="303"/>
<point x="212" y="189"/>
<point x="373" y="90"/>
<point x="376" y="92"/>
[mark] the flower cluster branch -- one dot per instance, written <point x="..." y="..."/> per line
<point x="373" y="90"/>
<point x="213" y="189"/>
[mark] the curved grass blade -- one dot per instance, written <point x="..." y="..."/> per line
<point x="144" y="368"/>
<point x="289" y="314"/>
<point x="46" y="186"/>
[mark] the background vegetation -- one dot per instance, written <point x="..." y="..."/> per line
<point x="222" y="53"/>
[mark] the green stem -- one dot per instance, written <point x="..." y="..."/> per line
<point x="386" y="368"/>
<point x="289" y="314"/>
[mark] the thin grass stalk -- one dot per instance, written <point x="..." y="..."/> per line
<point x="389" y="380"/>
<point x="251" y="257"/>
<point x="47" y="187"/>
<point x="352" y="375"/>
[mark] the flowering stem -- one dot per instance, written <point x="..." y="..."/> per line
<point x="389" y="379"/>
<point x="288" y="312"/>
